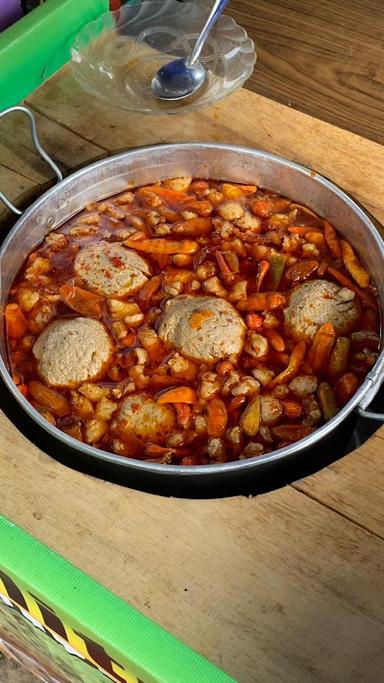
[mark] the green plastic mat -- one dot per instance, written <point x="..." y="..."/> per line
<point x="39" y="44"/>
<point x="39" y="587"/>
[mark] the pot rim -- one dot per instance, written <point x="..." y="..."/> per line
<point x="369" y="387"/>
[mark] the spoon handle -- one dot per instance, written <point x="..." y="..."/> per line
<point x="217" y="9"/>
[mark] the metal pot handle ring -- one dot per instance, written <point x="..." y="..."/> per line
<point x="39" y="148"/>
<point x="370" y="415"/>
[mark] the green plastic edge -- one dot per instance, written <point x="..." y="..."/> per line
<point x="39" y="44"/>
<point x="149" y="651"/>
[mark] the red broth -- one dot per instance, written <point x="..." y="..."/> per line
<point x="200" y="238"/>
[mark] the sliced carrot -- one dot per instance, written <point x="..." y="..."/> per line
<point x="292" y="409"/>
<point x="346" y="387"/>
<point x="302" y="230"/>
<point x="178" y="395"/>
<point x="183" y="413"/>
<point x="267" y="206"/>
<point x="129" y="340"/>
<point x="353" y="265"/>
<point x="236" y="403"/>
<point x="15" y="320"/>
<point x="331" y="239"/>
<point x="250" y="419"/>
<point x="162" y="246"/>
<point x="264" y="267"/>
<point x="82" y="301"/>
<point x="317" y="238"/>
<point x="49" y="398"/>
<point x="322" y="269"/>
<point x="275" y="339"/>
<point x="172" y="196"/>
<point x="339" y="357"/>
<point x="254" y="321"/>
<point x="224" y="367"/>
<point x="202" y="206"/>
<point x="301" y="271"/>
<point x="365" y="297"/>
<point x="291" y="433"/>
<point x="293" y="367"/>
<point x="147" y="292"/>
<point x="264" y="301"/>
<point x="321" y="348"/>
<point x="178" y="275"/>
<point x="217" y="418"/>
<point x="192" y="227"/>
<point x="231" y="191"/>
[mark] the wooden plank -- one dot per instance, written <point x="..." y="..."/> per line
<point x="24" y="174"/>
<point x="243" y="118"/>
<point x="353" y="486"/>
<point x="272" y="588"/>
<point x="323" y="58"/>
<point x="334" y="152"/>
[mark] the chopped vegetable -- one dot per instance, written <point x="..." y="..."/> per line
<point x="15" y="321"/>
<point x="331" y="239"/>
<point x="250" y="419"/>
<point x="178" y="395"/>
<point x="346" y="386"/>
<point x="339" y="357"/>
<point x="321" y="348"/>
<point x="217" y="418"/>
<point x="277" y="265"/>
<point x="295" y="360"/>
<point x="265" y="301"/>
<point x="353" y="265"/>
<point x="82" y="301"/>
<point x="327" y="400"/>
<point x="301" y="271"/>
<point x="163" y="246"/>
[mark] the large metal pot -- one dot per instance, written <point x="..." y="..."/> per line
<point x="238" y="164"/>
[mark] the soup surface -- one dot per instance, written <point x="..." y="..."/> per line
<point x="192" y="322"/>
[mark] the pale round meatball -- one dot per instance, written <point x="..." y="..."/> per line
<point x="110" y="269"/>
<point x="141" y="419"/>
<point x="72" y="351"/>
<point x="317" y="302"/>
<point x="202" y="328"/>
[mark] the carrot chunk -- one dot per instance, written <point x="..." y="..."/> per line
<point x="353" y="265"/>
<point x="217" y="418"/>
<point x="181" y="394"/>
<point x="293" y="367"/>
<point x="160" y="245"/>
<point x="264" y="301"/>
<point x="321" y="348"/>
<point x="15" y="321"/>
<point x="331" y="239"/>
<point x="82" y="301"/>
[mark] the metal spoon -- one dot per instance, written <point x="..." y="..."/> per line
<point x="183" y="77"/>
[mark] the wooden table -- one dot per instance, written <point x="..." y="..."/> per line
<point x="324" y="58"/>
<point x="286" y="586"/>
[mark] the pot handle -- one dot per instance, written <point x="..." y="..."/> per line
<point x="36" y="142"/>
<point x="370" y="415"/>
